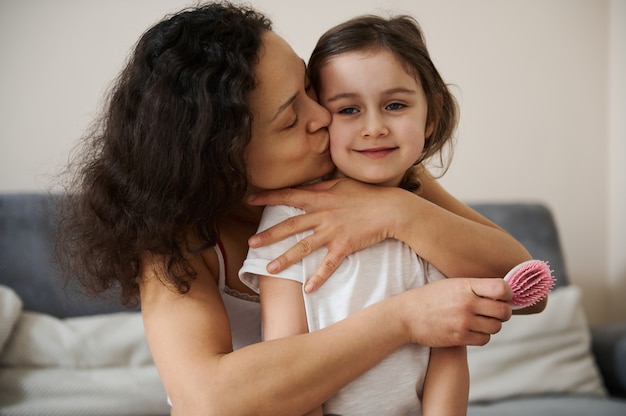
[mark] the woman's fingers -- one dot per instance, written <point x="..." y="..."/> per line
<point x="301" y="249"/>
<point x="456" y="311"/>
<point x="338" y="249"/>
<point x="496" y="289"/>
<point x="284" y="229"/>
<point x="329" y="265"/>
<point x="335" y="213"/>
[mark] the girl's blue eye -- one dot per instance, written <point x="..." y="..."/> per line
<point x="395" y="106"/>
<point x="349" y="110"/>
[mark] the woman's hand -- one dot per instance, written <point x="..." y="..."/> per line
<point x="345" y="216"/>
<point x="455" y="311"/>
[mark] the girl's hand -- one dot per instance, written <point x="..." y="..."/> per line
<point x="345" y="216"/>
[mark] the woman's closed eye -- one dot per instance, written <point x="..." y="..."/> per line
<point x="293" y="124"/>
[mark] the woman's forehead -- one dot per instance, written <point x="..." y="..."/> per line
<point x="280" y="75"/>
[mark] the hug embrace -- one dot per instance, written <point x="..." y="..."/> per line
<point x="215" y="117"/>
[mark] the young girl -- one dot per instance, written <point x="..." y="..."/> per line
<point x="390" y="111"/>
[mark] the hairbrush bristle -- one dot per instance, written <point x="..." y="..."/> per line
<point x="530" y="281"/>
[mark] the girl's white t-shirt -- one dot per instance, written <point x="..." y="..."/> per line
<point x="362" y="279"/>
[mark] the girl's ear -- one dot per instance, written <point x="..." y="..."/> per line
<point x="430" y="127"/>
<point x="430" y="122"/>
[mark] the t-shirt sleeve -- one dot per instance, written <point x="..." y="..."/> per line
<point x="432" y="273"/>
<point x="257" y="260"/>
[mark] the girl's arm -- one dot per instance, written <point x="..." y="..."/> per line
<point x="283" y="313"/>
<point x="190" y="340"/>
<point x="446" y="387"/>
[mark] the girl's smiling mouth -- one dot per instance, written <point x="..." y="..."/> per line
<point x="376" y="152"/>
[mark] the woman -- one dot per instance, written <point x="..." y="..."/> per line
<point x="212" y="111"/>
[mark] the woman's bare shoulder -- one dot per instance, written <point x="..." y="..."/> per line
<point x="154" y="283"/>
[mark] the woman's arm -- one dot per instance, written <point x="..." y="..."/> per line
<point x="456" y="237"/>
<point x="189" y="337"/>
<point x="347" y="216"/>
<point x="283" y="313"/>
<point x="446" y="387"/>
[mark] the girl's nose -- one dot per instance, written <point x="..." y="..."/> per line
<point x="374" y="126"/>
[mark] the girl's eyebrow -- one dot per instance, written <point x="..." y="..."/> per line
<point x="401" y="90"/>
<point x="390" y="91"/>
<point x="341" y="96"/>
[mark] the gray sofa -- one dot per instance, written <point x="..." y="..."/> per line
<point x="62" y="353"/>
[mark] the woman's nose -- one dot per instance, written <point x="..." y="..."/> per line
<point x="320" y="118"/>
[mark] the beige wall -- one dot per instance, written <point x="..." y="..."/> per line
<point x="540" y="84"/>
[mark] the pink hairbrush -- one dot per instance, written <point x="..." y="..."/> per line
<point x="531" y="281"/>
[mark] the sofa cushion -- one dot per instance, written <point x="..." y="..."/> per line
<point x="10" y="310"/>
<point x="551" y="405"/>
<point x="107" y="391"/>
<point x="89" y="365"/>
<point x="544" y="353"/>
<point x="40" y="340"/>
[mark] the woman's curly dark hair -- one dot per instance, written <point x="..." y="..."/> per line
<point x="402" y="36"/>
<point x="166" y="158"/>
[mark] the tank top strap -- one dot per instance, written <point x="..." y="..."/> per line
<point x="221" y="258"/>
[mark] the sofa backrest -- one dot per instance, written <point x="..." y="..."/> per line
<point x="533" y="225"/>
<point x="27" y="233"/>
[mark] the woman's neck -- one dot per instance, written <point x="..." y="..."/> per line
<point x="246" y="215"/>
<point x="235" y="229"/>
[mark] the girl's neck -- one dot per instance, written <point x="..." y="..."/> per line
<point x="337" y="174"/>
